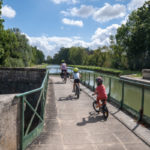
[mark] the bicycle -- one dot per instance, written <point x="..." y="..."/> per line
<point x="77" y="90"/>
<point x="102" y="108"/>
<point x="64" y="76"/>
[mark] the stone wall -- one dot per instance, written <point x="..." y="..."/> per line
<point x="19" y="80"/>
<point x="13" y="81"/>
<point x="9" y="122"/>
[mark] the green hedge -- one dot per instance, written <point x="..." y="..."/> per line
<point x="110" y="71"/>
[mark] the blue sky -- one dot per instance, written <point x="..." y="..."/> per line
<point x="51" y="24"/>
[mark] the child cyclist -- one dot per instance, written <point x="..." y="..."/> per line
<point x="76" y="76"/>
<point x="100" y="92"/>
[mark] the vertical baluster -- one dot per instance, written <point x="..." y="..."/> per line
<point x="89" y="81"/>
<point x="142" y="105"/>
<point x="94" y="82"/>
<point x="122" y="100"/>
<point x="109" y="94"/>
<point x="85" y="78"/>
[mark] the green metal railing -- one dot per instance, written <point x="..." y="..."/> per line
<point x="133" y="97"/>
<point x="32" y="113"/>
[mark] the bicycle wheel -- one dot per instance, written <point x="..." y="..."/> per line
<point x="105" y="112"/>
<point x="65" y="78"/>
<point x="77" y="91"/>
<point x="95" y="106"/>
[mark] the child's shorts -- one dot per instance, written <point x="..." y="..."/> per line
<point x="103" y="101"/>
<point x="76" y="81"/>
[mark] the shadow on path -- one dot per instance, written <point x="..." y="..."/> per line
<point x="59" y="82"/>
<point x="68" y="98"/>
<point x="92" y="118"/>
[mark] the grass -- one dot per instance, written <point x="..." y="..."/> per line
<point x="111" y="71"/>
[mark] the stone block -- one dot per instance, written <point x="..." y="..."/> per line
<point x="146" y="74"/>
<point x="9" y="122"/>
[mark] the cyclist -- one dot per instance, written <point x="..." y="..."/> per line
<point x="100" y="92"/>
<point x="76" y="76"/>
<point x="63" y="67"/>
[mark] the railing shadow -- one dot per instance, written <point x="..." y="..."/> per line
<point x="92" y="118"/>
<point x="68" y="98"/>
<point x="59" y="82"/>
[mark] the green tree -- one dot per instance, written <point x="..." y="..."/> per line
<point x="77" y="55"/>
<point x="134" y="38"/>
<point x="49" y="60"/>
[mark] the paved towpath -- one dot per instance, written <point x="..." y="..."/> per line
<point x="71" y="124"/>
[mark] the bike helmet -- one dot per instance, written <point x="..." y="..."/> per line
<point x="62" y="61"/>
<point x="75" y="69"/>
<point x="99" y="80"/>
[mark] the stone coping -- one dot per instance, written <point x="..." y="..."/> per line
<point x="23" y="69"/>
<point x="6" y="100"/>
<point x="136" y="79"/>
<point x="146" y="70"/>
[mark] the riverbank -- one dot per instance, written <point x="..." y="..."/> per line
<point x="110" y="71"/>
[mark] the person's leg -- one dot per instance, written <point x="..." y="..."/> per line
<point x="74" y="86"/>
<point x="98" y="103"/>
<point x="103" y="103"/>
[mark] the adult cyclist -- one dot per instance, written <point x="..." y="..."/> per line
<point x="63" y="67"/>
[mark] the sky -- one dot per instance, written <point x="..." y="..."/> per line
<point x="52" y="24"/>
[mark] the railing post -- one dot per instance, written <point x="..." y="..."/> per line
<point x="94" y="83"/>
<point x="89" y="80"/>
<point x="85" y="78"/>
<point x="142" y="106"/>
<point x="81" y="77"/>
<point x="109" y="89"/>
<point x="122" y="100"/>
<point x="22" y="122"/>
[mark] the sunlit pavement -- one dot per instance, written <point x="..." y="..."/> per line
<point x="72" y="124"/>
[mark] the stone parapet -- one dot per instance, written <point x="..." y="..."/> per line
<point x="146" y="74"/>
<point x="135" y="79"/>
<point x="9" y="122"/>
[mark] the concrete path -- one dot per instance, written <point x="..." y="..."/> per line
<point x="72" y="124"/>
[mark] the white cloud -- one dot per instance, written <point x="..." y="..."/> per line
<point x="65" y="1"/>
<point x="125" y="19"/>
<point x="72" y="22"/>
<point x="134" y="4"/>
<point x="101" y="36"/>
<point x="103" y="14"/>
<point x="84" y="11"/>
<point x="9" y="12"/>
<point x="51" y="45"/>
<point x="109" y="12"/>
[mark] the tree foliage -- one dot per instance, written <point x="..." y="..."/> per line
<point x="15" y="50"/>
<point x="134" y="38"/>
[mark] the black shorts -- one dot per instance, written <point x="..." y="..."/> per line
<point x="63" y="71"/>
<point x="76" y="80"/>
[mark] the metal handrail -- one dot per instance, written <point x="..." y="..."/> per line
<point x="26" y="137"/>
<point x="86" y="82"/>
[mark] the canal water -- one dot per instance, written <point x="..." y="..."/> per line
<point x="130" y="93"/>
